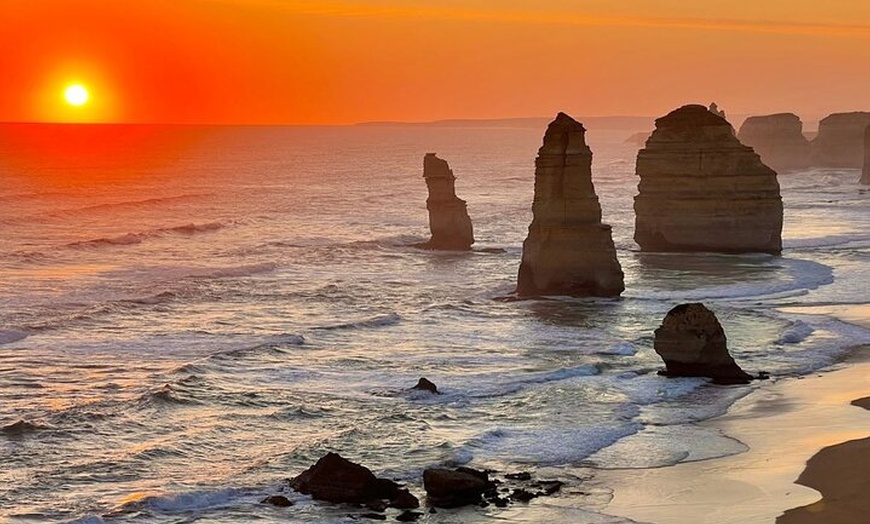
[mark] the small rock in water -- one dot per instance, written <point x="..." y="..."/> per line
<point x="409" y="516"/>
<point x="523" y="475"/>
<point x="277" y="500"/>
<point x="373" y="516"/>
<point x="426" y="385"/>
<point x="522" y="495"/>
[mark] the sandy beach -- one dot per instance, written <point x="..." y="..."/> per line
<point x="812" y="430"/>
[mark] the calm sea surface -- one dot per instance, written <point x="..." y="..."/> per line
<point x="188" y="316"/>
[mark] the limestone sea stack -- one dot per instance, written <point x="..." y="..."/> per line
<point x="840" y="142"/>
<point x="778" y="139"/>
<point x="865" y="176"/>
<point x="568" y="250"/>
<point x="692" y="343"/>
<point x="700" y="189"/>
<point x="448" y="217"/>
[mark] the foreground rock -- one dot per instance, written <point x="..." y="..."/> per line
<point x="700" y="189"/>
<point x="840" y="142"/>
<point x="692" y="343"/>
<point x="778" y="139"/>
<point x="568" y="250"/>
<point x="448" y="216"/>
<point x="865" y="176"/>
<point x="446" y="488"/>
<point x="336" y="479"/>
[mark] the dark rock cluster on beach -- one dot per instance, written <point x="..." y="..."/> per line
<point x="568" y="250"/>
<point x="700" y="189"/>
<point x="337" y="480"/>
<point x="448" y="215"/>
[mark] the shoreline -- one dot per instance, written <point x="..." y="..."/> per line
<point x="785" y="425"/>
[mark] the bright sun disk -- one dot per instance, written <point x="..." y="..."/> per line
<point x="76" y="95"/>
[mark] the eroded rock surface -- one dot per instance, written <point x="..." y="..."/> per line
<point x="700" y="189"/>
<point x="568" y="250"/>
<point x="778" y="139"/>
<point x="692" y="343"/>
<point x="840" y="142"/>
<point x="448" y="215"/>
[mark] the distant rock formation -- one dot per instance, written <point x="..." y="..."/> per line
<point x="692" y="343"/>
<point x="568" y="250"/>
<point x="715" y="110"/>
<point x="637" y="139"/>
<point x="840" y="142"/>
<point x="865" y="176"/>
<point x="448" y="217"/>
<point x="778" y="139"/>
<point x="336" y="479"/>
<point x="700" y="189"/>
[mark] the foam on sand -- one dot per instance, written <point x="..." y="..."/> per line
<point x="783" y="424"/>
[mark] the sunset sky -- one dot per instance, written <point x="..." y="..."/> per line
<point x="345" y="61"/>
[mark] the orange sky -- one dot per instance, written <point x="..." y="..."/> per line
<point x="344" y="61"/>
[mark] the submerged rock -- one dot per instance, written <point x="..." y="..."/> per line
<point x="447" y="488"/>
<point x="692" y="343"/>
<point x="700" y="189"/>
<point x="277" y="500"/>
<point x="840" y="142"/>
<point x="425" y="384"/>
<point x="568" y="250"/>
<point x="778" y="139"/>
<point x="336" y="479"/>
<point x="865" y="176"/>
<point x="448" y="216"/>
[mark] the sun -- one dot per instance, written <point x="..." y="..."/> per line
<point x="76" y="95"/>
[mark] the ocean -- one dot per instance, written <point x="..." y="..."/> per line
<point x="191" y="315"/>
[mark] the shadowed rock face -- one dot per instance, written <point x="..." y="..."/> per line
<point x="865" y="176"/>
<point x="840" y="142"/>
<point x="448" y="217"/>
<point x="692" y="343"/>
<point x="778" y="139"/>
<point x="700" y="189"/>
<point x="568" y="250"/>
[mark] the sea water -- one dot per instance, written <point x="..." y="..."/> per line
<point x="188" y="316"/>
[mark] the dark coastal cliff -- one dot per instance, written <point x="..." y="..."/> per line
<point x="568" y="250"/>
<point x="700" y="189"/>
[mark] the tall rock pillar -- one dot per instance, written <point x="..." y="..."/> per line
<point x="448" y="217"/>
<point x="568" y="250"/>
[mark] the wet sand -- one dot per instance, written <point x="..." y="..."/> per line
<point x="784" y="424"/>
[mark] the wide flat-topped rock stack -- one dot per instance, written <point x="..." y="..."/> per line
<point x="840" y="142"/>
<point x="778" y="139"/>
<point x="700" y="189"/>
<point x="568" y="250"/>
